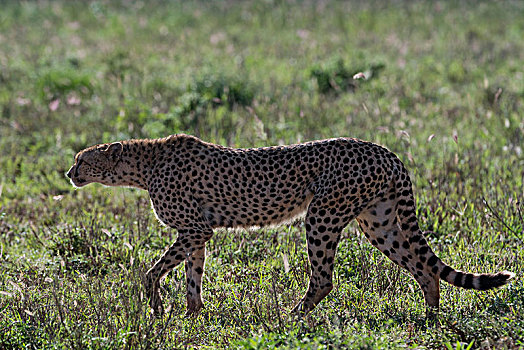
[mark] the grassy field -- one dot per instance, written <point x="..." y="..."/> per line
<point x="444" y="91"/>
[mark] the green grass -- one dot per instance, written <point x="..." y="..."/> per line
<point x="445" y="92"/>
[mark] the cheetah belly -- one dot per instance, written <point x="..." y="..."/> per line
<point x="235" y="212"/>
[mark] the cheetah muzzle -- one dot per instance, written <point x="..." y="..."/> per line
<point x="196" y="186"/>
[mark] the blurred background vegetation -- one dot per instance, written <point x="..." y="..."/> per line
<point x="443" y="88"/>
<point x="256" y="73"/>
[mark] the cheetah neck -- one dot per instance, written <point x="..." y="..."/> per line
<point x="134" y="166"/>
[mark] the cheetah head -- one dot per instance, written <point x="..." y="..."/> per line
<point x="96" y="164"/>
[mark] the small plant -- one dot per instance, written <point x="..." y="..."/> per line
<point x="205" y="99"/>
<point x="56" y="83"/>
<point x="218" y="89"/>
<point x="119" y="65"/>
<point x="335" y="77"/>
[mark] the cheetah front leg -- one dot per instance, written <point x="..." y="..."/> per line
<point x="190" y="245"/>
<point x="171" y="258"/>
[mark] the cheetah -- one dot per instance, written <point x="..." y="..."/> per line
<point x="195" y="187"/>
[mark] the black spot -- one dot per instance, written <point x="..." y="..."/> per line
<point x="445" y="272"/>
<point x="458" y="279"/>
<point x="414" y="239"/>
<point x="468" y="282"/>
<point x="432" y="260"/>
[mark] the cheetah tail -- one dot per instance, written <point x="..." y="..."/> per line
<point x="418" y="244"/>
<point x="482" y="281"/>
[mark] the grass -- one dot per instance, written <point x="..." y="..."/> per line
<point x="445" y="92"/>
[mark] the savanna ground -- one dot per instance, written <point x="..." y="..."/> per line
<point x="444" y="90"/>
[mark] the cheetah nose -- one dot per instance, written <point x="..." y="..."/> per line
<point x="69" y="172"/>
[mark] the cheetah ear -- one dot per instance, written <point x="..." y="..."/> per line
<point x="115" y="150"/>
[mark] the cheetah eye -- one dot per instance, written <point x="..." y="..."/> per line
<point x="79" y="163"/>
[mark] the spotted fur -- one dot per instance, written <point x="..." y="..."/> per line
<point x="196" y="186"/>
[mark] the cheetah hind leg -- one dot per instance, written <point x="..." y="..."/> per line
<point x="322" y="233"/>
<point x="194" y="270"/>
<point x="380" y="226"/>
